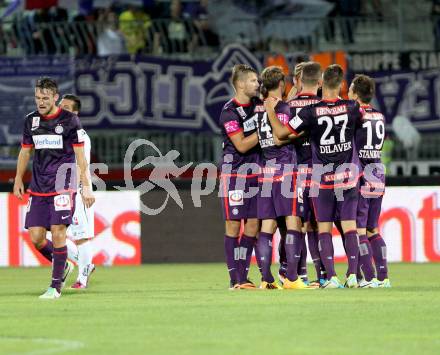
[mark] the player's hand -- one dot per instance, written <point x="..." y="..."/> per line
<point x="18" y="188"/>
<point x="270" y="103"/>
<point x="87" y="196"/>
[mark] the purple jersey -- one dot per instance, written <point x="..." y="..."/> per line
<point x="284" y="154"/>
<point x="302" y="144"/>
<point x="53" y="138"/>
<point x="370" y="136"/>
<point x="236" y="118"/>
<point x="331" y="126"/>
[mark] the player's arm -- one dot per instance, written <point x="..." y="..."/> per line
<point x="22" y="163"/>
<point x="84" y="176"/>
<point x="242" y="143"/>
<point x="281" y="131"/>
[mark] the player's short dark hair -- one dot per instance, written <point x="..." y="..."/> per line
<point x="270" y="79"/>
<point x="333" y="76"/>
<point x="364" y="87"/>
<point x="239" y="70"/>
<point x="47" y="83"/>
<point x="76" y="101"/>
<point x="311" y="73"/>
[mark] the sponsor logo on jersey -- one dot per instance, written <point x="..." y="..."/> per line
<point x="236" y="197"/>
<point x="295" y="122"/>
<point x="81" y="135"/>
<point x="250" y="124"/>
<point x="35" y="123"/>
<point x="48" y="141"/>
<point x="241" y="112"/>
<point x="337" y="110"/>
<point x="231" y="126"/>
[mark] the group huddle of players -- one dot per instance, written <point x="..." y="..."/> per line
<point x="318" y="164"/>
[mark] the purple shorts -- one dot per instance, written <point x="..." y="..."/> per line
<point x="46" y="211"/>
<point x="276" y="205"/>
<point x="305" y="205"/>
<point x="235" y="205"/>
<point x="368" y="211"/>
<point x="328" y="208"/>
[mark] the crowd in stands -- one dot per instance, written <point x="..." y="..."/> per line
<point x="154" y="27"/>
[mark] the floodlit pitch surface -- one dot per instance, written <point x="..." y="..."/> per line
<point x="187" y="309"/>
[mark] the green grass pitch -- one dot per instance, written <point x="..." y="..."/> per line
<point x="186" y="309"/>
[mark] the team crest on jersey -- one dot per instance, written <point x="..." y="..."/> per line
<point x="59" y="129"/>
<point x="35" y="123"/>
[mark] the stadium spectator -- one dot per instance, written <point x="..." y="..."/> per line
<point x="110" y="40"/>
<point x="198" y="12"/>
<point x="435" y="13"/>
<point x="134" y="25"/>
<point x="178" y="36"/>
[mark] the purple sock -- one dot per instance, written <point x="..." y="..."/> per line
<point x="282" y="254"/>
<point x="365" y="257"/>
<point x="232" y="253"/>
<point x="312" y="238"/>
<point x="264" y="246"/>
<point x="380" y="256"/>
<point x="352" y="250"/>
<point x="293" y="253"/>
<point x="246" y="247"/>
<point x="302" y="265"/>
<point x="325" y="245"/>
<point x="47" y="250"/>
<point x="58" y="265"/>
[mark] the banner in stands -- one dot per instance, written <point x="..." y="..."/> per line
<point x="125" y="92"/>
<point x="159" y="93"/>
<point x="117" y="231"/>
<point x="407" y="84"/>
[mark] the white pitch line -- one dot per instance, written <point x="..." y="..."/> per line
<point x="61" y="345"/>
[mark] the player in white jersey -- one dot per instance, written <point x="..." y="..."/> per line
<point x="82" y="229"/>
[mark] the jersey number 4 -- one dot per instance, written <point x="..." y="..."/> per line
<point x="326" y="138"/>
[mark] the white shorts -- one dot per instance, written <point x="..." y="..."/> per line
<point x="83" y="224"/>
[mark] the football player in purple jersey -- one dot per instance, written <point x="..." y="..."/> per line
<point x="278" y="168"/>
<point x="55" y="136"/>
<point x="311" y="81"/>
<point x="237" y="184"/>
<point x="331" y="124"/>
<point x="369" y="140"/>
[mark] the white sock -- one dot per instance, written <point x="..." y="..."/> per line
<point x="72" y="250"/>
<point x="85" y="256"/>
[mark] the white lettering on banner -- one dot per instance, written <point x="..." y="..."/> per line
<point x="48" y="141"/>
